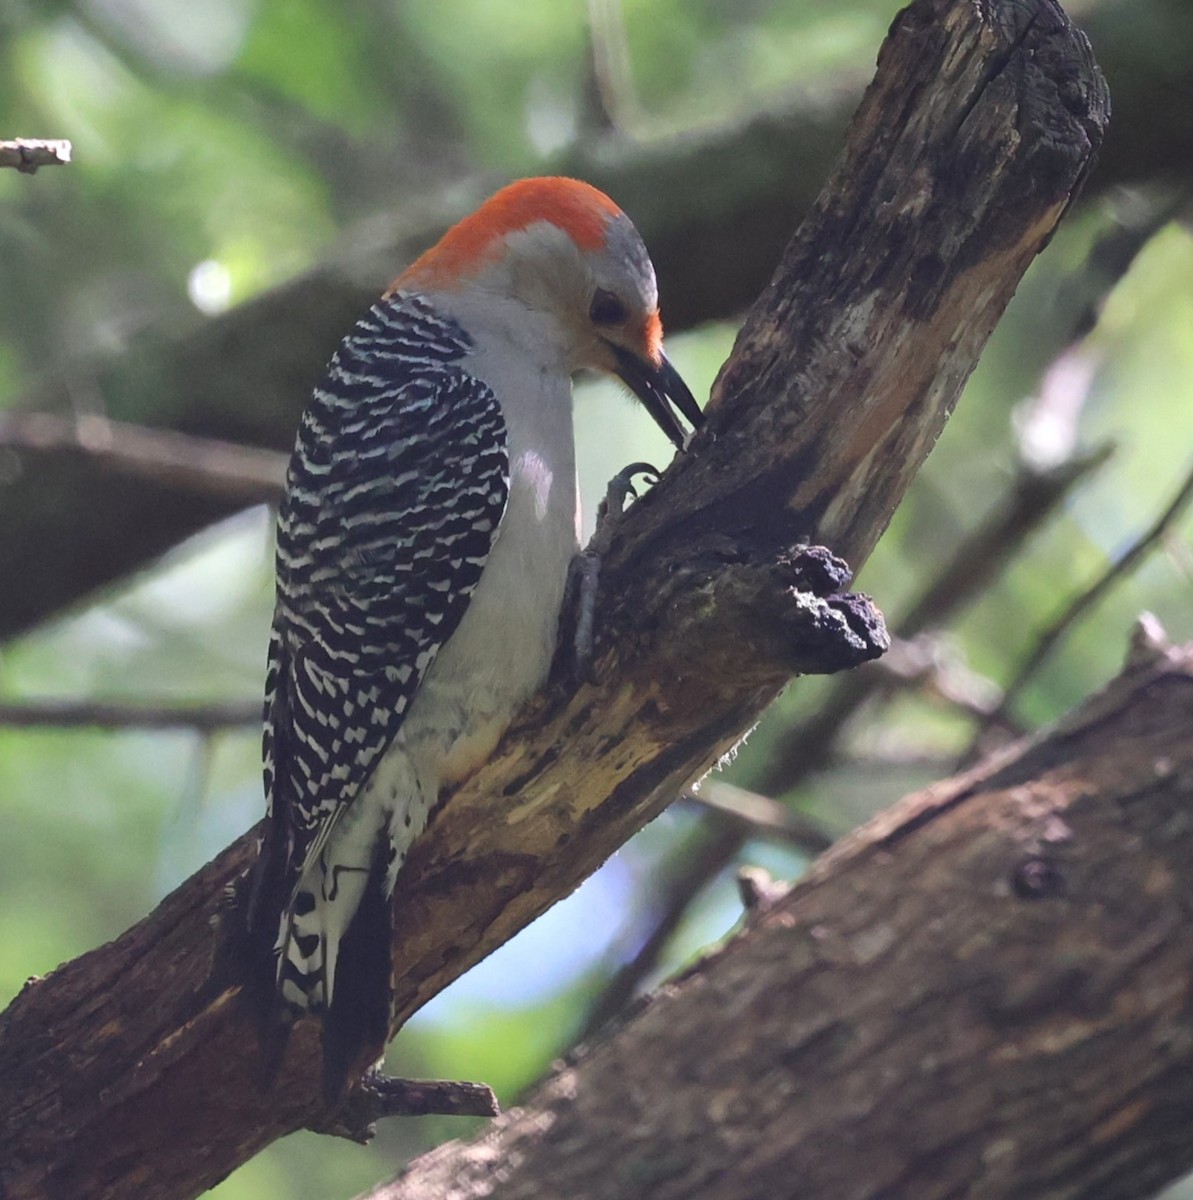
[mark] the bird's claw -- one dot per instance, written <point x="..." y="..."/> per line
<point x="620" y="488"/>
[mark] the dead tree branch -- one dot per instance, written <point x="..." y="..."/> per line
<point x="28" y="154"/>
<point x="968" y="149"/>
<point x="379" y="1098"/>
<point x="232" y="473"/>
<point x="113" y="714"/>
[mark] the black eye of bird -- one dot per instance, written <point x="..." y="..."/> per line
<point x="606" y="309"/>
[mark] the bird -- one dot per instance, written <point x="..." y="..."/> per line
<point x="423" y="548"/>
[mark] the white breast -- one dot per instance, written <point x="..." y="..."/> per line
<point x="502" y="649"/>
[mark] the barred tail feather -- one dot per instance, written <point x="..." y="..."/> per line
<point x="357" y="1020"/>
<point x="332" y="957"/>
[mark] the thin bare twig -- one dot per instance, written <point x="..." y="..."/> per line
<point x="244" y="474"/>
<point x="615" y="97"/>
<point x="926" y="663"/>
<point x="734" y="816"/>
<point x="27" y="154"/>
<point x="1034" y="495"/>
<point x="899" y="758"/>
<point x="379" y="1097"/>
<point x="1118" y="570"/>
<point x="761" y="816"/>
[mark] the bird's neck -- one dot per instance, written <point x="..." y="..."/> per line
<point x="503" y="324"/>
<point x="525" y="357"/>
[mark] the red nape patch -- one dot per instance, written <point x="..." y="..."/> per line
<point x="577" y="208"/>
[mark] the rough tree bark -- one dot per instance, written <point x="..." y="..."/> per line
<point x="983" y="993"/>
<point x="967" y="150"/>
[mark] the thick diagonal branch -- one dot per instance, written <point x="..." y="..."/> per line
<point x="129" y="1076"/>
<point x="984" y="993"/>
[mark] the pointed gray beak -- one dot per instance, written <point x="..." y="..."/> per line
<point x="661" y="390"/>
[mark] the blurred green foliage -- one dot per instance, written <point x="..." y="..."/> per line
<point x="219" y="148"/>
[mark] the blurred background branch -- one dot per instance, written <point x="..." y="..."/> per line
<point x="96" y="714"/>
<point x="1122" y="566"/>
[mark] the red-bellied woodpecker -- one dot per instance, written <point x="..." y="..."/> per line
<point x="423" y="550"/>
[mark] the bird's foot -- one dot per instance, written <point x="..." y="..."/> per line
<point x="612" y="507"/>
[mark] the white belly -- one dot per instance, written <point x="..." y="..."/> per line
<point x="502" y="649"/>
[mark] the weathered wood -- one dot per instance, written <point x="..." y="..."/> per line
<point x="982" y="994"/>
<point x="970" y="145"/>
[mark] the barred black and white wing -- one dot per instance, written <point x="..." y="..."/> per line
<point x="394" y="496"/>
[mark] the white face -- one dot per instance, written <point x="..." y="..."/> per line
<point x="586" y="309"/>
<point x="599" y="297"/>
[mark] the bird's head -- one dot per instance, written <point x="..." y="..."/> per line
<point x="562" y="250"/>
